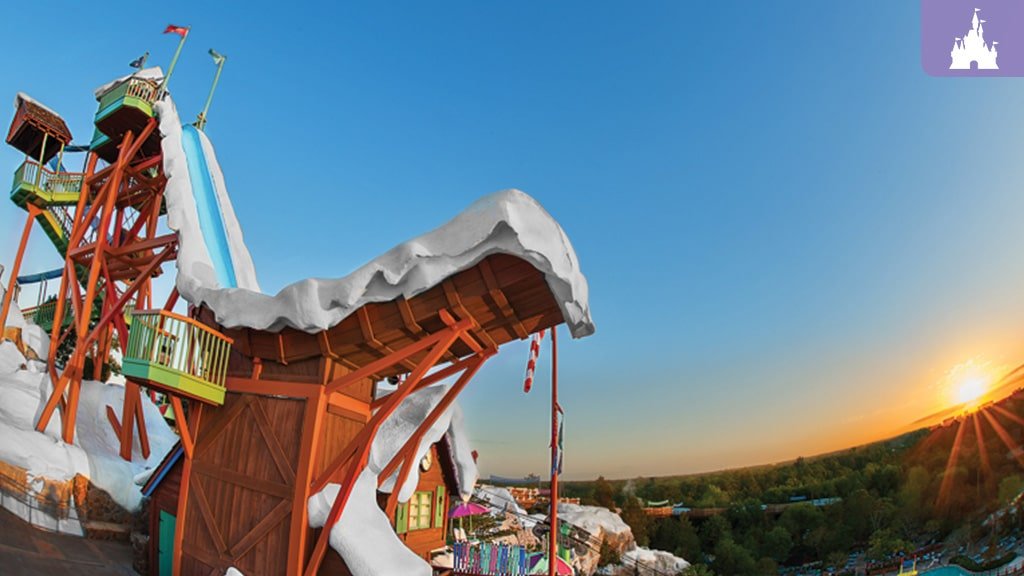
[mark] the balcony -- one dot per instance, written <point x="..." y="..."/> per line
<point x="127" y="107"/>
<point x="178" y="355"/>
<point x="43" y="187"/>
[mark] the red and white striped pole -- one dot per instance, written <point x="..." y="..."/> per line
<point x="531" y="364"/>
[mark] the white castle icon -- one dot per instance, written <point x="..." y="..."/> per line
<point x="972" y="48"/>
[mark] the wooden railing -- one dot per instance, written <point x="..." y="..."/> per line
<point x="179" y="344"/>
<point x="42" y="315"/>
<point x="141" y="88"/>
<point x="48" y="180"/>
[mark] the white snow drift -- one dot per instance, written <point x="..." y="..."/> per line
<point x="363" y="536"/>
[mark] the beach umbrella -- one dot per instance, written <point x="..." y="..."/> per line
<point x="467" y="509"/>
<point x="470" y="509"/>
<point x="539" y="565"/>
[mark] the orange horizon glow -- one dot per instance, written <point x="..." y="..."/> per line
<point x="970" y="383"/>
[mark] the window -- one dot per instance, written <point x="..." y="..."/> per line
<point x="419" y="510"/>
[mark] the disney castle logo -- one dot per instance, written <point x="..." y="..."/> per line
<point x="973" y="50"/>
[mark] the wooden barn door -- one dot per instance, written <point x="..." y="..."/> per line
<point x="241" y="487"/>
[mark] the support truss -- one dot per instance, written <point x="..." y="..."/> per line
<point x="353" y="459"/>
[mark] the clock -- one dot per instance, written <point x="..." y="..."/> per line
<point x="426" y="462"/>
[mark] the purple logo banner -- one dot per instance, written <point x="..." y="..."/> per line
<point x="972" y="37"/>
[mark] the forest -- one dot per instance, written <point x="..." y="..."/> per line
<point x="932" y="486"/>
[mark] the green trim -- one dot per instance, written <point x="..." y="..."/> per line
<point x="174" y="379"/>
<point x="439" y="507"/>
<point x="128" y="101"/>
<point x="402" y="518"/>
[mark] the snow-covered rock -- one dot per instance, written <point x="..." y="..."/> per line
<point x="24" y="390"/>
<point x="499" y="499"/>
<point x="603" y="525"/>
<point x="649" y="563"/>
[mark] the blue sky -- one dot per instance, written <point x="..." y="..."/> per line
<point x="790" y="232"/>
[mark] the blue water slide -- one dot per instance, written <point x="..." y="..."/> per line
<point x="211" y="223"/>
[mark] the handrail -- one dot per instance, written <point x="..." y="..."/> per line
<point x="180" y="344"/>
<point x="141" y="88"/>
<point x="49" y="180"/>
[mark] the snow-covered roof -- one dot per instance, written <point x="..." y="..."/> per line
<point x="507" y="222"/>
<point x="154" y="73"/>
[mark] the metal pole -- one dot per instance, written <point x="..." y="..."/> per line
<point x="174" y="62"/>
<point x="42" y="154"/>
<point x="553" y="539"/>
<point x="201" y="120"/>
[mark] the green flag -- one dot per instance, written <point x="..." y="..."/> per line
<point x="218" y="59"/>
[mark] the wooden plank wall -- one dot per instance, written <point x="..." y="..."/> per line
<point x="242" y="485"/>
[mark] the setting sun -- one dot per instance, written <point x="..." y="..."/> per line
<point x="972" y="389"/>
<point x="967" y="383"/>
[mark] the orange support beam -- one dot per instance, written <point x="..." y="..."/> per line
<point x="438" y="343"/>
<point x="9" y="294"/>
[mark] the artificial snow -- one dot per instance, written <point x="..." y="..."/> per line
<point x="196" y="270"/>
<point x="363" y="535"/>
<point x="21" y="96"/>
<point x="507" y="222"/>
<point x="654" y="562"/>
<point x="593" y="519"/>
<point x="466" y="472"/>
<point x="32" y="336"/>
<point x="24" y="389"/>
<point x="499" y="499"/>
<point x="155" y="73"/>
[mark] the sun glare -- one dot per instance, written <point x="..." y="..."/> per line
<point x="967" y="383"/>
<point x="972" y="389"/>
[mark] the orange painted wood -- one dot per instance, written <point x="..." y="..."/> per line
<point x="313" y="417"/>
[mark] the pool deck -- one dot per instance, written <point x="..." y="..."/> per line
<point x="25" y="550"/>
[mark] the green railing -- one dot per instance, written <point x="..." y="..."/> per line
<point x="43" y="314"/>
<point x="139" y="92"/>
<point x="57" y="186"/>
<point x="177" y="353"/>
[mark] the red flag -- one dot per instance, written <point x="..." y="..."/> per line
<point x="179" y="30"/>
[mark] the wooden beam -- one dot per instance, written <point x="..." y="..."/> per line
<point x="398" y="356"/>
<point x="312" y="423"/>
<point x="370" y="340"/>
<point x="186" y="435"/>
<point x="496" y="293"/>
<point x="451" y="294"/>
<point x="208" y="518"/>
<point x="276" y="489"/>
<point x="267" y="431"/>
<point x="448" y="338"/>
<point x="411" y="446"/>
<point x="349" y="406"/>
<point x="264" y="387"/>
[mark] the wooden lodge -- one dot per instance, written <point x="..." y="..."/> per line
<point x="299" y="411"/>
<point x="422" y="523"/>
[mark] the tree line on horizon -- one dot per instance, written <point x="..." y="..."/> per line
<point x="894" y="497"/>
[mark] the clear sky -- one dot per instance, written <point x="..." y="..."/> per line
<point x="791" y="233"/>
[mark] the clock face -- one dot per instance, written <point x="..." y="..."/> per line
<point x="426" y="462"/>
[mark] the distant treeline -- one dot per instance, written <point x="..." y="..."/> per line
<point x="896" y="496"/>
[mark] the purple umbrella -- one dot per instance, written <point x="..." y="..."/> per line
<point x="468" y="509"/>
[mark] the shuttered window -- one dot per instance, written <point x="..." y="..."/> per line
<point x="420" y="506"/>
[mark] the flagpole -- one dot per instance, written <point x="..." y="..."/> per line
<point x="174" y="62"/>
<point x="201" y="120"/>
<point x="554" y="533"/>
